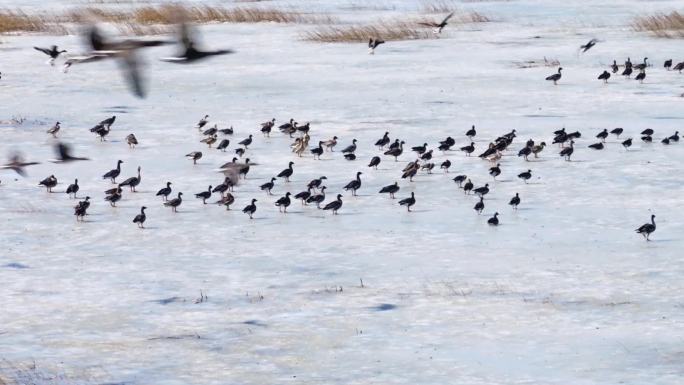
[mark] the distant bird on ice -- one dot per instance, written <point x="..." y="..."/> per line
<point x="438" y="27"/>
<point x="604" y="76"/>
<point x="555" y="77"/>
<point x="373" y="44"/>
<point x="648" y="228"/>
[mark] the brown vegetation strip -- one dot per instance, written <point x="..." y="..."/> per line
<point x="667" y="25"/>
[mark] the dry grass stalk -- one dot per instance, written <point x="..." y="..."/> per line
<point x="387" y="30"/>
<point x="666" y="25"/>
<point x="18" y="21"/>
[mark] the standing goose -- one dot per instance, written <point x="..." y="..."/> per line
<point x="330" y="144"/>
<point x="627" y="72"/>
<point x="567" y="151"/>
<point x="384" y="141"/>
<point x="226" y="200"/>
<point x="647" y="228"/>
<point x="204" y="195"/>
<point x="525" y="152"/>
<point x="391" y="189"/>
<point x="627" y="143"/>
<point x="250" y="209"/>
<point x="468" y="187"/>
<point x="131" y="140"/>
<point x="665" y="141"/>
<point x="679" y="67"/>
<point x="395" y="144"/>
<point x="525" y="175"/>
<point x="175" y="202"/>
<point x="471" y="133"/>
<point x="304" y="195"/>
<point x="538" y="148"/>
<point x="604" y="76"/>
<point x="283" y="202"/>
<point x="140" y="218"/>
<point x="226" y="185"/>
<point x="642" y="66"/>
<point x="48" y="183"/>
<point x="351" y="148"/>
<point x="482" y="191"/>
<point x="495" y="171"/>
<point x="614" y="67"/>
<point x="227" y="131"/>
<point x="675" y="137"/>
<point x="617" y="131"/>
<point x="318" y="198"/>
<point x="240" y="152"/>
<point x="494" y="221"/>
<point x="555" y="77"/>
<point x="641" y="76"/>
<point x="133" y="181"/>
<point x="445" y="165"/>
<point x="354" y="184"/>
<point x="515" y="201"/>
<point x="316" y="183"/>
<point x="374" y="162"/>
<point x="211" y="131"/>
<point x="114" y="197"/>
<point x="268" y="186"/>
<point x="396" y="152"/>
<point x="202" y="122"/>
<point x="373" y="44"/>
<point x="80" y="210"/>
<point x="287" y="173"/>
<point x="647" y="138"/>
<point x="223" y="145"/>
<point x="479" y="206"/>
<point x="668" y="64"/>
<point x="267" y="126"/>
<point x="602" y="135"/>
<point x="73" y="189"/>
<point x="597" y="146"/>
<point x="209" y="140"/>
<point x="420" y="149"/>
<point x="195" y="156"/>
<point x="113" y="174"/>
<point x="246" y="142"/>
<point x="460" y="179"/>
<point x="648" y="132"/>
<point x="469" y="149"/>
<point x="318" y="151"/>
<point x="427" y="155"/>
<point x="164" y="192"/>
<point x="54" y="130"/>
<point x="334" y="205"/>
<point x="408" y="202"/>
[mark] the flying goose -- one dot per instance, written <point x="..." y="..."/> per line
<point x="437" y="27"/>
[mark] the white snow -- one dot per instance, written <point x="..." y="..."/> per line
<point x="563" y="291"/>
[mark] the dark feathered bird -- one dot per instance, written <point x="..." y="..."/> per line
<point x="195" y="156"/>
<point x="482" y="191"/>
<point x="495" y="171"/>
<point x="627" y="143"/>
<point x="373" y="44"/>
<point x="382" y="142"/>
<point x="420" y="149"/>
<point x="614" y="67"/>
<point x="602" y="135"/>
<point x="204" y="195"/>
<point x="396" y="151"/>
<point x="268" y="186"/>
<point x="250" y="209"/>
<point x="468" y="187"/>
<point x="471" y="133"/>
<point x="175" y="202"/>
<point x="641" y="76"/>
<point x="53" y="52"/>
<point x="667" y="64"/>
<point x="391" y="189"/>
<point x="164" y="192"/>
<point x="223" y="145"/>
<point x="604" y="76"/>
<point x="648" y="132"/>
<point x="617" y="131"/>
<point x="460" y="179"/>
<point x="133" y="181"/>
<point x="526" y="175"/>
<point x="73" y="189"/>
<point x="408" y="202"/>
<point x="494" y="221"/>
<point x="515" y="201"/>
<point x="114" y="197"/>
<point x="283" y="202"/>
<point x="354" y="184"/>
<point x="374" y="162"/>
<point x="567" y="152"/>
<point x="334" y="205"/>
<point x="479" y="206"/>
<point x="445" y="165"/>
<point x="246" y="142"/>
<point x="647" y="229"/>
<point x="555" y="77"/>
<point x="304" y="195"/>
<point x="350" y="156"/>
<point x="597" y="146"/>
<point x="469" y="149"/>
<point x="189" y="52"/>
<point x="48" y="183"/>
<point x="351" y="148"/>
<point x="316" y="183"/>
<point x="587" y="47"/>
<point x="318" y="198"/>
<point x="141" y="218"/>
<point x="287" y="173"/>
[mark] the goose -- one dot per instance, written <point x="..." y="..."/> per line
<point x="495" y="171"/>
<point x="73" y="189"/>
<point x="240" y="151"/>
<point x="647" y="229"/>
<point x="641" y="76"/>
<point x="195" y="156"/>
<point x="140" y="218"/>
<point x="331" y="143"/>
<point x="449" y="142"/>
<point x="491" y="150"/>
<point x="471" y="133"/>
<point x="641" y="66"/>
<point x="390" y="189"/>
<point x="114" y="197"/>
<point x="587" y="47"/>
<point x="628" y="63"/>
<point x="190" y="53"/>
<point x="131" y="140"/>
<point x="445" y="165"/>
<point x="408" y="202"/>
<point x="373" y="44"/>
<point x="647" y="138"/>
<point x="374" y="162"/>
<point x="675" y="137"/>
<point x="350" y="156"/>
<point x="479" y="206"/>
<point x="80" y="211"/>
<point x="526" y="175"/>
<point x="224" y="186"/>
<point x="204" y="195"/>
<point x="318" y="198"/>
<point x="64" y="154"/>
<point x="426" y="156"/>
<point x="515" y="201"/>
<point x="460" y="179"/>
<point x="227" y="131"/>
<point x="267" y="126"/>
<point x="614" y="67"/>
<point x="604" y="76"/>
<point x="627" y="72"/>
<point x="411" y="170"/>
<point x="351" y="148"/>
<point x="679" y="67"/>
<point x="304" y="195"/>
<point x="48" y="183"/>
<point x="567" y="152"/>
<point x="560" y="132"/>
<point x="283" y="202"/>
<point x="210" y="131"/>
<point x="394" y="144"/>
<point x="286" y="173"/>
<point x="54" y="130"/>
<point x="305" y="128"/>
<point x="538" y="149"/>
<point x="468" y="187"/>
<point x="574" y="135"/>
<point x="165" y="191"/>
<point x="318" y="151"/>
<point x="16" y="163"/>
<point x="226" y="200"/>
<point x="617" y="131"/>
<point x="396" y="152"/>
<point x="665" y="141"/>
<point x="668" y="64"/>
<point x="482" y="191"/>
<point x="286" y="126"/>
<point x="209" y="140"/>
<point x="597" y="146"/>
<point x="246" y="142"/>
<point x="525" y="152"/>
<point x="133" y="181"/>
<point x="268" y="186"/>
<point x="85" y="204"/>
<point x="494" y="221"/>
<point x="223" y="145"/>
<point x="113" y="190"/>
<point x="420" y="149"/>
<point x="175" y="202"/>
<point x="602" y="135"/>
<point x="445" y="146"/>
<point x="627" y="143"/>
<point x="469" y="149"/>
<point x="250" y="209"/>
<point x="316" y="183"/>
<point x="53" y="52"/>
<point x="354" y="184"/>
<point x="102" y="132"/>
<point x="560" y="138"/>
<point x="428" y="167"/>
<point x="334" y="205"/>
<point x="437" y="27"/>
<point x="555" y="77"/>
<point x="382" y="142"/>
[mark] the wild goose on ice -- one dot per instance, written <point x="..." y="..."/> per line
<point x="394" y="144"/>
<point x="525" y="152"/>
<point x="267" y="127"/>
<point x="604" y="76"/>
<point x="304" y="195"/>
<point x="665" y="141"/>
<point x="226" y="200"/>
<point x="428" y="167"/>
<point x="210" y="131"/>
<point x="73" y="189"/>
<point x="115" y="197"/>
<point x="641" y="76"/>
<point x="141" y="218"/>
<point x="647" y="229"/>
<point x="113" y="190"/>
<point x="53" y="52"/>
<point x="84" y="203"/>
<point x="420" y="149"/>
<point x="305" y="128"/>
<point x="617" y="131"/>
<point x="373" y="44"/>
<point x="384" y="141"/>
<point x="471" y="133"/>
<point x="426" y="156"/>
<point x="445" y="165"/>
<point x="396" y="152"/>
<point x="318" y="198"/>
<point x="438" y="27"/>
<point x="602" y="135"/>
<point x="408" y="202"/>
<point x="648" y="132"/>
<point x="101" y="131"/>
<point x="318" y="151"/>
<point x="468" y="187"/>
<point x="204" y="195"/>
<point x="567" y="151"/>
<point x="614" y="67"/>
<point x="240" y="151"/>
<point x="350" y="156"/>
<point x="330" y="143"/>
<point x="647" y="138"/>
<point x="628" y="63"/>
<point x="250" y="209"/>
<point x="175" y="202"/>
<point x="469" y="149"/>
<point x="627" y="143"/>
<point x="54" y="130"/>
<point x="283" y="202"/>
<point x="334" y="205"/>
<point x="195" y="156"/>
<point x="574" y="135"/>
<point x="526" y="175"/>
<point x="190" y="53"/>
<point x="246" y="142"/>
<point x="515" y="201"/>
<point x="679" y="67"/>
<point x="268" y="186"/>
<point x="482" y="191"/>
<point x="460" y="179"/>
<point x="226" y="185"/>
<point x="495" y="171"/>
<point x="627" y="72"/>
<point x="48" y="183"/>
<point x="555" y="77"/>
<point x="80" y="210"/>
<point x="391" y="189"/>
<point x="641" y="66"/>
<point x="411" y="170"/>
<point x="675" y="137"/>
<point x="227" y="131"/>
<point x="287" y="173"/>
<point x="202" y="122"/>
<point x="223" y="145"/>
<point x="286" y="126"/>
<point x="668" y="64"/>
<point x="479" y="206"/>
<point x="597" y="146"/>
<point x="354" y="184"/>
<point x="133" y="181"/>
<point x="131" y="140"/>
<point x="165" y="191"/>
<point x="538" y="149"/>
<point x="374" y="162"/>
<point x="351" y="148"/>
<point x="316" y="183"/>
<point x="494" y="221"/>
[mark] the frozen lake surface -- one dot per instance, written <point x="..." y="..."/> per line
<point x="563" y="291"/>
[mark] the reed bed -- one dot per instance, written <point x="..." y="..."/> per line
<point x="665" y="25"/>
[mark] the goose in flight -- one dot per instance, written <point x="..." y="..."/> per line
<point x="53" y="52"/>
<point x="190" y="52"/>
<point x="438" y="27"/>
<point x="17" y="164"/>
